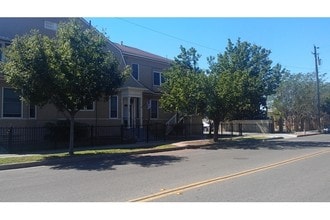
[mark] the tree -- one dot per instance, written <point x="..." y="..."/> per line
<point x="295" y="100"/>
<point x="70" y="71"/>
<point x="325" y="96"/>
<point x="189" y="91"/>
<point x="235" y="87"/>
<point x="224" y="92"/>
<point x="251" y="79"/>
<point x="239" y="82"/>
<point x="183" y="90"/>
<point x="218" y="99"/>
<point x="326" y="106"/>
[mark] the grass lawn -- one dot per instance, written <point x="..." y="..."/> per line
<point x="81" y="152"/>
<point x="78" y="153"/>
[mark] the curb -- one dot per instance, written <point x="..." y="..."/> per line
<point x="303" y="135"/>
<point x="21" y="165"/>
<point x="275" y="138"/>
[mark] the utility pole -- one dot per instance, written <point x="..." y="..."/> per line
<point x="317" y="60"/>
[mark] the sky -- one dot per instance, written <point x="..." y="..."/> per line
<point x="287" y="28"/>
<point x="290" y="40"/>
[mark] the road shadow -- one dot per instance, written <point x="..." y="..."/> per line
<point x="252" y="144"/>
<point x="109" y="162"/>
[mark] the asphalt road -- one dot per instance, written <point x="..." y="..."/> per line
<point x="275" y="171"/>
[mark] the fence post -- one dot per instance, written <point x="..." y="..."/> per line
<point x="121" y="134"/>
<point x="156" y="134"/>
<point x="92" y="135"/>
<point x="185" y="131"/>
<point x="271" y="127"/>
<point x="240" y="129"/>
<point x="221" y="128"/>
<point x="10" y="139"/>
<point x="232" y="129"/>
<point x="147" y="139"/>
<point x="202" y="132"/>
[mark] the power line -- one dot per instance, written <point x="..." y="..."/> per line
<point x="168" y="35"/>
<point x="195" y="43"/>
<point x="297" y="67"/>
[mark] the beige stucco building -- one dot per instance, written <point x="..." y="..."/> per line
<point x="136" y="103"/>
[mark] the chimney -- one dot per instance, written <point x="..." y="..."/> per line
<point x="121" y="43"/>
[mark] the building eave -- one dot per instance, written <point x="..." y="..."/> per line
<point x="148" y="58"/>
<point x="3" y="38"/>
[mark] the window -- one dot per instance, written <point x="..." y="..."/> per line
<point x="114" y="106"/>
<point x="89" y="107"/>
<point x="12" y="104"/>
<point x="154" y="109"/>
<point x="135" y="71"/>
<point x="158" y="79"/>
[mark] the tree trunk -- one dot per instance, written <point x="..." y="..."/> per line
<point x="210" y="128"/>
<point x="71" y="143"/>
<point x="216" y="130"/>
<point x="280" y="125"/>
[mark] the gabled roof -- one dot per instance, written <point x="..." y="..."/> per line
<point x="131" y="82"/>
<point x="127" y="50"/>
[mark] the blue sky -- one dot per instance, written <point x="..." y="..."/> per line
<point x="290" y="39"/>
<point x="290" y="29"/>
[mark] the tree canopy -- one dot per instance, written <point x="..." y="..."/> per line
<point x="183" y="91"/>
<point x="71" y="70"/>
<point x="251" y="78"/>
<point x="296" y="100"/>
<point x="235" y="87"/>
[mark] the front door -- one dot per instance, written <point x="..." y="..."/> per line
<point x="132" y="112"/>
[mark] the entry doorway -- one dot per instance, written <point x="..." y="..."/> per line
<point x="132" y="112"/>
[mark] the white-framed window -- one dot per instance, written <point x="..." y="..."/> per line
<point x="113" y="102"/>
<point x="50" y="25"/>
<point x="158" y="78"/>
<point x="153" y="109"/>
<point x="135" y="71"/>
<point x="89" y="107"/>
<point x="12" y="105"/>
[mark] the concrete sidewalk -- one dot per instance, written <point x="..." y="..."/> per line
<point x="278" y="135"/>
<point x="281" y="135"/>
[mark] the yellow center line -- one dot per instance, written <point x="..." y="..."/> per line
<point x="223" y="178"/>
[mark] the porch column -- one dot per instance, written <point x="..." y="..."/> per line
<point x="129" y="112"/>
<point x="141" y="111"/>
<point x="122" y="110"/>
